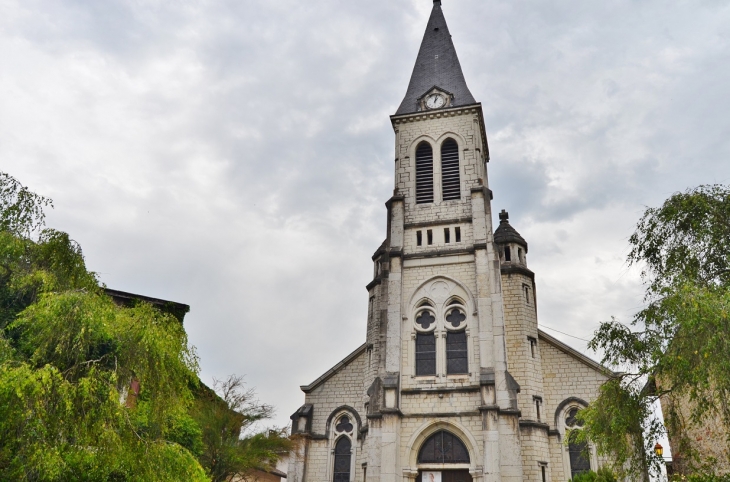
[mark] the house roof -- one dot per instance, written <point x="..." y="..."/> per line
<point x="437" y="65"/>
<point x="178" y="310"/>
<point x="334" y="370"/>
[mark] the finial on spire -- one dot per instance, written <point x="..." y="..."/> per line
<point x="504" y="216"/>
<point x="437" y="2"/>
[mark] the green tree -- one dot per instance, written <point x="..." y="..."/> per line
<point x="67" y="356"/>
<point x="232" y="445"/>
<point x="678" y="346"/>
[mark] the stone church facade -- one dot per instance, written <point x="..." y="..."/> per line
<point x="455" y="381"/>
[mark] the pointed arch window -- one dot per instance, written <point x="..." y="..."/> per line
<point x="578" y="451"/>
<point x="450" y="178"/>
<point x="443" y="448"/>
<point x="424" y="173"/>
<point x="343" y="455"/>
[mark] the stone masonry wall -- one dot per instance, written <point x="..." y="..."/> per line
<point x="463" y="126"/>
<point x="344" y="388"/>
<point x="564" y="377"/>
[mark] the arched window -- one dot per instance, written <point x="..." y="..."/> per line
<point x="578" y="451"/>
<point x="343" y="455"/>
<point x="443" y="448"/>
<point x="424" y="173"/>
<point x="450" y="180"/>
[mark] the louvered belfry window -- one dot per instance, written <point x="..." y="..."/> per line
<point x="424" y="173"/>
<point x="343" y="454"/>
<point x="450" y="180"/>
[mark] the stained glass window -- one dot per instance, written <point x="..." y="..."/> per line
<point x="443" y="448"/>
<point x="456" y="353"/>
<point x="425" y="354"/>
<point x="342" y="460"/>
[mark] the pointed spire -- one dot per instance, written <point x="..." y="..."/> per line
<point x="437" y="65"/>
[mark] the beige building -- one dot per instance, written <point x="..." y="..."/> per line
<point x="455" y="382"/>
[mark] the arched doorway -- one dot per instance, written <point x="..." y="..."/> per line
<point x="443" y="458"/>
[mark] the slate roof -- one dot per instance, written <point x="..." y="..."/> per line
<point x="437" y="65"/>
<point x="505" y="233"/>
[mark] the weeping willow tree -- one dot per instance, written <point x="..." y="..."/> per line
<point x="676" y="349"/>
<point x="67" y="356"/>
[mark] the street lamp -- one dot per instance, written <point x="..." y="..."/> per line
<point x="658" y="450"/>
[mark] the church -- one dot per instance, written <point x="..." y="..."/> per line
<point x="455" y="381"/>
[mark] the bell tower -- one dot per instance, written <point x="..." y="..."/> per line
<point x="436" y="338"/>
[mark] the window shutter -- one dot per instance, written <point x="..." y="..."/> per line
<point x="450" y="180"/>
<point x="424" y="173"/>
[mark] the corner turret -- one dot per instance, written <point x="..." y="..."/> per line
<point x="512" y="246"/>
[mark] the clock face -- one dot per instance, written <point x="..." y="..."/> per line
<point x="434" y="101"/>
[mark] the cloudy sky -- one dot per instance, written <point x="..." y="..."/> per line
<point x="235" y="155"/>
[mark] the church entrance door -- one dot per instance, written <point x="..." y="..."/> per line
<point x="444" y="476"/>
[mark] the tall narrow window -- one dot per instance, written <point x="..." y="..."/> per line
<point x="538" y="408"/>
<point x="578" y="451"/>
<point x="533" y="346"/>
<point x="429" y="236"/>
<point x="543" y="469"/>
<point x="456" y="359"/>
<point x="507" y="254"/>
<point x="457" y="233"/>
<point x="450" y="182"/>
<point x="424" y="173"/>
<point x="343" y="456"/>
<point x="419" y="238"/>
<point x="425" y="354"/>
<point x="447" y="235"/>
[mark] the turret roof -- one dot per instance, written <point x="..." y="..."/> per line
<point x="505" y="233"/>
<point x="437" y="65"/>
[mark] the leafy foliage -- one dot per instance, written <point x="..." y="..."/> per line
<point x="21" y="211"/>
<point x="67" y="357"/>
<point x="231" y="444"/>
<point x="678" y="346"/>
<point x="603" y="475"/>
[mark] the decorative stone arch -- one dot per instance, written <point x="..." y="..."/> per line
<point x="561" y="413"/>
<point x="339" y="411"/>
<point x="417" y="141"/>
<point x="427" y="290"/>
<point x="460" y="141"/>
<point x="571" y="401"/>
<point x="422" y="434"/>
